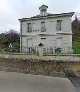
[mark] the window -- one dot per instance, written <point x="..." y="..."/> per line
<point x="29" y="42"/>
<point x="43" y="41"/>
<point x="43" y="38"/>
<point x="59" y="23"/>
<point x="43" y="12"/>
<point x="43" y="28"/>
<point x="59" y="42"/>
<point x="29" y="27"/>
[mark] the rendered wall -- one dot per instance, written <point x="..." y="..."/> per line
<point x="51" y="33"/>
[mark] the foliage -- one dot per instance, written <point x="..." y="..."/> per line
<point x="76" y="46"/>
<point x="9" y="37"/>
<point x="76" y="43"/>
<point x="76" y="26"/>
<point x="76" y="35"/>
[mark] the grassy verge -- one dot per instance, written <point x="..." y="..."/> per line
<point x="76" y="46"/>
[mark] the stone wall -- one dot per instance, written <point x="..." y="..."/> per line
<point x="59" y="57"/>
<point x="38" y="66"/>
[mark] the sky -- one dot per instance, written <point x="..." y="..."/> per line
<point x="12" y="10"/>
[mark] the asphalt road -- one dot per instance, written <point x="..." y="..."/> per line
<point x="75" y="80"/>
<point x="18" y="82"/>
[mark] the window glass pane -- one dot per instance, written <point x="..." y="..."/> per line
<point x="42" y="24"/>
<point x="43" y="28"/>
<point x="29" y="27"/>
<point x="43" y="12"/>
<point x="59" y="22"/>
<point x="43" y="41"/>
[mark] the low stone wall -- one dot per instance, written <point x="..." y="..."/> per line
<point x="62" y="57"/>
<point x="38" y="66"/>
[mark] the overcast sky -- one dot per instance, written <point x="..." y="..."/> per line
<point x="12" y="10"/>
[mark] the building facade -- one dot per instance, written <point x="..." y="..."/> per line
<point x="50" y="30"/>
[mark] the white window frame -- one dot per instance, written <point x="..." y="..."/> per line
<point x="43" y="28"/>
<point x="59" y="25"/>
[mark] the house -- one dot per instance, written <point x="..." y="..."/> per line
<point x="49" y="30"/>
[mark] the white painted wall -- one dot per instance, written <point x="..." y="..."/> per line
<point x="51" y="33"/>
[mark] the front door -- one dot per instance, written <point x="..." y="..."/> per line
<point x="43" y="41"/>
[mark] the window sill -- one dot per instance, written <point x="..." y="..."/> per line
<point x="60" y="31"/>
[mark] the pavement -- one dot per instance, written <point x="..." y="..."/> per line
<point x="18" y="82"/>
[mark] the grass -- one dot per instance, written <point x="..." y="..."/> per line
<point x="76" y="43"/>
<point x="76" y="46"/>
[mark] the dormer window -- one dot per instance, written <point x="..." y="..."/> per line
<point x="43" y="10"/>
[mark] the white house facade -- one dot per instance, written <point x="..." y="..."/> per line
<point x="50" y="30"/>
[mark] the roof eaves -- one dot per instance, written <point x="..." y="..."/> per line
<point x="48" y="16"/>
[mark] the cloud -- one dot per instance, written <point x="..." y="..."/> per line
<point x="12" y="10"/>
<point x="55" y="6"/>
<point x="7" y="16"/>
<point x="32" y="7"/>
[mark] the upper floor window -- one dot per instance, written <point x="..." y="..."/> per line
<point x="29" y="27"/>
<point x="59" y="24"/>
<point x="43" y="28"/>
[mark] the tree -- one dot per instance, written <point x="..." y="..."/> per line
<point x="9" y="37"/>
<point x="76" y="26"/>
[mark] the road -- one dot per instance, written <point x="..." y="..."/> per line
<point x="75" y="80"/>
<point x="18" y="82"/>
